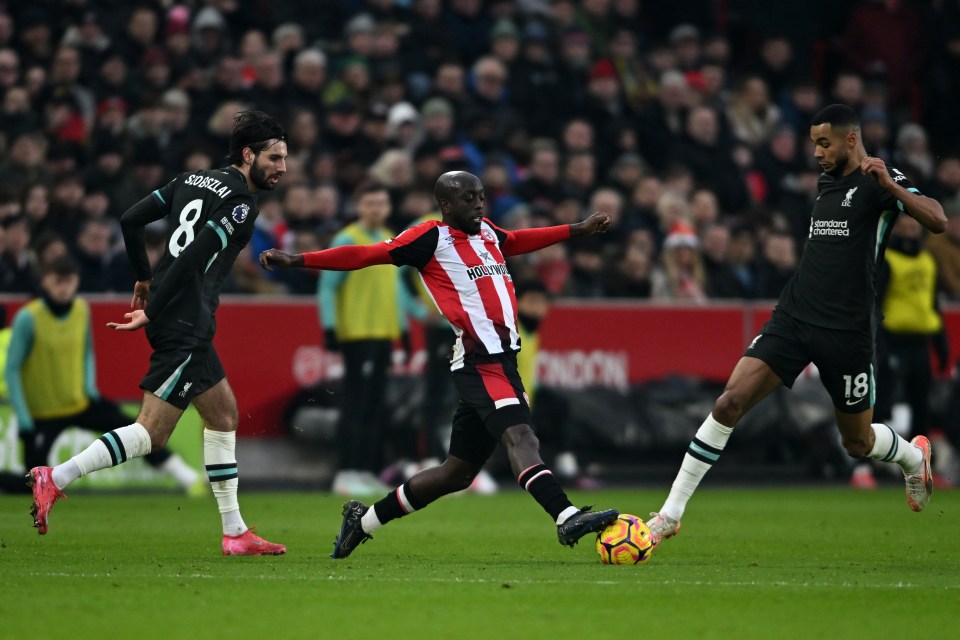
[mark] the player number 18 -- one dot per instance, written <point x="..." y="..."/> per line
<point x="859" y="385"/>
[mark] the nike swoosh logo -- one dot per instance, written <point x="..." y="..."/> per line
<point x="850" y="403"/>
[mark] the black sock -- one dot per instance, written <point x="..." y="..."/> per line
<point x="539" y="482"/>
<point x="397" y="504"/>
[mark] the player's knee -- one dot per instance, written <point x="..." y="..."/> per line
<point x="459" y="482"/>
<point x="728" y="408"/>
<point x="520" y="438"/>
<point x="457" y="477"/>
<point x="227" y="421"/>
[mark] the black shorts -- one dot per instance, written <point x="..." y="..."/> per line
<point x="492" y="399"/>
<point x="181" y="366"/>
<point x="845" y="359"/>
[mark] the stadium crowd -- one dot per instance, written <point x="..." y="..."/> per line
<point x="687" y="122"/>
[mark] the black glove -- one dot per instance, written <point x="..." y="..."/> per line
<point x="330" y="340"/>
<point x="941" y="349"/>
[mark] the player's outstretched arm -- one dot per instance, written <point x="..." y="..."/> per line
<point x="522" y="241"/>
<point x="344" y="258"/>
<point x="927" y="211"/>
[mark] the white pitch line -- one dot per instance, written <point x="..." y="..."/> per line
<point x="523" y="581"/>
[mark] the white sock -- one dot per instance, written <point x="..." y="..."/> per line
<point x="178" y="469"/>
<point x="704" y="450"/>
<point x="566" y="514"/>
<point x="112" y="448"/>
<point x="219" y="457"/>
<point x="370" y="522"/>
<point x="890" y="447"/>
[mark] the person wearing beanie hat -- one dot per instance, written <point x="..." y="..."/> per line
<point x="602" y="69"/>
<point x="680" y="276"/>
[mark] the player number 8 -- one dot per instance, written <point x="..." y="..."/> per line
<point x="183" y="235"/>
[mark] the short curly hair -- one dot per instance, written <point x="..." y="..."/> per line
<point x="252" y="129"/>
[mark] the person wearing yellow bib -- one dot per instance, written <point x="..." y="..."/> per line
<point x="912" y="326"/>
<point x="363" y="314"/>
<point x="50" y="373"/>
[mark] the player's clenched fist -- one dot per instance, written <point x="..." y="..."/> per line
<point x="275" y="258"/>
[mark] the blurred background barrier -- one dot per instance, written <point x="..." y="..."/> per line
<point x="634" y="379"/>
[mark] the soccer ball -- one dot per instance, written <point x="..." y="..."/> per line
<point x="627" y="541"/>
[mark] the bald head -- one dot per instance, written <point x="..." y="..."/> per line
<point x="460" y="197"/>
<point x="450" y="183"/>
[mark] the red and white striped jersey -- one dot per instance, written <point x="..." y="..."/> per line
<point x="468" y="280"/>
<point x="466" y="275"/>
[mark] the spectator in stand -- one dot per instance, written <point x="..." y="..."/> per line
<point x="641" y="212"/>
<point x="92" y="253"/>
<point x="848" y="88"/>
<point x="722" y="282"/>
<point x="710" y="160"/>
<point x="587" y="278"/>
<point x="64" y="80"/>
<point x="914" y="155"/>
<point x="776" y="64"/>
<point x="543" y="185"/>
<point x="946" y="182"/>
<point x="269" y="90"/>
<point x="16" y="115"/>
<point x="469" y="27"/>
<point x="537" y="86"/>
<point x="9" y="69"/>
<point x="704" y="209"/>
<point x="680" y="275"/>
<point x="16" y="268"/>
<point x="505" y="41"/>
<point x="779" y="163"/>
<point x="606" y="110"/>
<point x="24" y="160"/>
<point x="630" y="274"/>
<point x="489" y="79"/>
<point x="742" y="257"/>
<point x="802" y="102"/>
<point x="308" y="79"/>
<point x="777" y="263"/>
<point x="662" y="123"/>
<point x="579" y="175"/>
<point x="752" y="115"/>
<point x="427" y="43"/>
<point x="887" y="37"/>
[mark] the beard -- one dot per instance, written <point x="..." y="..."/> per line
<point x="259" y="177"/>
<point x="839" y="167"/>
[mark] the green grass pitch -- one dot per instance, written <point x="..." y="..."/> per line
<point x="750" y="563"/>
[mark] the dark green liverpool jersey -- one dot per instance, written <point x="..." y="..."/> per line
<point x="210" y="215"/>
<point x="835" y="284"/>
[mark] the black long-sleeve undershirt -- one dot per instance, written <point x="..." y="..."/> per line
<point x="132" y="223"/>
